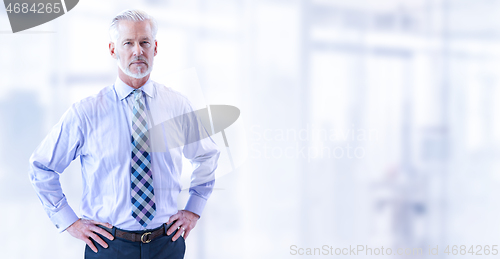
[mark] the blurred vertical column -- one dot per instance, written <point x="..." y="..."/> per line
<point x="434" y="131"/>
<point x="304" y="88"/>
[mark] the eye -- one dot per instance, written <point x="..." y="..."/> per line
<point x="128" y="42"/>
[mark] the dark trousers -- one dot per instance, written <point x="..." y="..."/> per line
<point x="160" y="248"/>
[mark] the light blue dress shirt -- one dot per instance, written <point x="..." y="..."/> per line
<point x="97" y="129"/>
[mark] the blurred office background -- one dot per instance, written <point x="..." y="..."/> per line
<point x="368" y="122"/>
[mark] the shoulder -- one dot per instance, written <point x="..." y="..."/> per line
<point x="89" y="108"/>
<point x="172" y="96"/>
<point x="103" y="98"/>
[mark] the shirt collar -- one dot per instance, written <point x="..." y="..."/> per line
<point x="123" y="90"/>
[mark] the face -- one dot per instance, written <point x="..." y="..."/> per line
<point x="135" y="48"/>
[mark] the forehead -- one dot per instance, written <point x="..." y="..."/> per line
<point x="133" y="29"/>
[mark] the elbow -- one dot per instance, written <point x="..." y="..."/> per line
<point x="37" y="170"/>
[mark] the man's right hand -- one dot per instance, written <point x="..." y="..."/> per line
<point x="85" y="229"/>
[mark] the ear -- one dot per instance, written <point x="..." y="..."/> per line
<point x="156" y="47"/>
<point x="112" y="49"/>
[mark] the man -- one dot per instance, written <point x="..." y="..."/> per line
<point x="130" y="175"/>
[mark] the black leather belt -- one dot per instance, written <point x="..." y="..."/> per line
<point x="145" y="236"/>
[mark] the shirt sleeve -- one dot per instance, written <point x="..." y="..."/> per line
<point x="61" y="146"/>
<point x="203" y="154"/>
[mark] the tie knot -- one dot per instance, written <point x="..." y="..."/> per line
<point x="137" y="94"/>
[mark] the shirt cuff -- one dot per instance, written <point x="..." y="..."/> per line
<point x="196" y="204"/>
<point x="64" y="218"/>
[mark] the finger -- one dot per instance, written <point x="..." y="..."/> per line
<point x="178" y="234"/>
<point x="173" y="218"/>
<point x="174" y="226"/>
<point x="186" y="234"/>
<point x="102" y="224"/>
<point x="99" y="240"/>
<point x="90" y="244"/>
<point x="103" y="232"/>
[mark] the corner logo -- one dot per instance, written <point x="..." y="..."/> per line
<point x="26" y="14"/>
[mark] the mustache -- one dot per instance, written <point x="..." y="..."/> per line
<point x="138" y="59"/>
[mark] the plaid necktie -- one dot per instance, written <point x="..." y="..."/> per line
<point x="143" y="200"/>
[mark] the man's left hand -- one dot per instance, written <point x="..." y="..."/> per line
<point x="184" y="221"/>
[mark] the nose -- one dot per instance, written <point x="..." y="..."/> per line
<point x="138" y="50"/>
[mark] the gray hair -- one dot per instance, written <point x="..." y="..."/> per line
<point x="131" y="15"/>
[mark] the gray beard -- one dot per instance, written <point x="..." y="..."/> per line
<point x="127" y="71"/>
